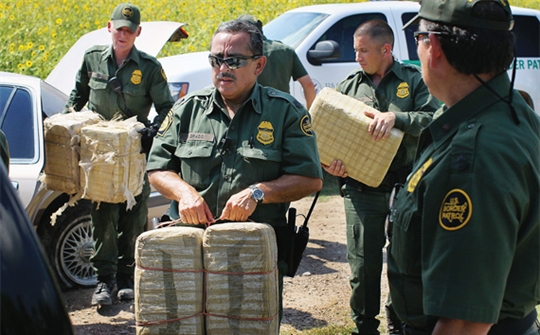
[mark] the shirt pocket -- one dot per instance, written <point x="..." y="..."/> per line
<point x="260" y="164"/>
<point x="98" y="90"/>
<point x="195" y="163"/>
<point x="137" y="98"/>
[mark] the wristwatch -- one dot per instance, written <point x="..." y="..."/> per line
<point x="256" y="194"/>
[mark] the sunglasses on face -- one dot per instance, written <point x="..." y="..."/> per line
<point x="232" y="63"/>
<point x="418" y="34"/>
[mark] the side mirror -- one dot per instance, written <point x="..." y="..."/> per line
<point x="324" y="50"/>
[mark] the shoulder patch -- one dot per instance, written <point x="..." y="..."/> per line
<point x="305" y="125"/>
<point x="456" y="210"/>
<point x="166" y="124"/>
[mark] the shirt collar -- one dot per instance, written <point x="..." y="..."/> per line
<point x="253" y="101"/>
<point x="133" y="54"/>
<point x="448" y="119"/>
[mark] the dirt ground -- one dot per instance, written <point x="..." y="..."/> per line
<point x="317" y="296"/>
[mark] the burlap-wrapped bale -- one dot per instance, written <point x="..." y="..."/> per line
<point x="169" y="293"/>
<point x="112" y="165"/>
<point x="62" y="146"/>
<point x="242" y="295"/>
<point x="342" y="133"/>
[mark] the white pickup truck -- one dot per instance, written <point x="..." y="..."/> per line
<point x="305" y="28"/>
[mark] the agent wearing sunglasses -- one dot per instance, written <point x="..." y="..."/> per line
<point x="465" y="251"/>
<point x="118" y="80"/>
<point x="236" y="151"/>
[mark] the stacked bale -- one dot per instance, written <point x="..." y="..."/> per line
<point x="342" y="133"/>
<point x="222" y="280"/>
<point x="169" y="282"/>
<point x="62" y="146"/>
<point x="112" y="164"/>
<point x="240" y="260"/>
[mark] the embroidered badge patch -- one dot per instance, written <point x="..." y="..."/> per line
<point x="456" y="210"/>
<point x="265" y="133"/>
<point x="305" y="125"/>
<point x="163" y="74"/>
<point x="166" y="123"/>
<point x="402" y="90"/>
<point x="136" y="77"/>
<point x="415" y="179"/>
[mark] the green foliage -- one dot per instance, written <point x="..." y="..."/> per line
<point x="36" y="34"/>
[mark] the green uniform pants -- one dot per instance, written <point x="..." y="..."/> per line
<point x="115" y="231"/>
<point x="365" y="213"/>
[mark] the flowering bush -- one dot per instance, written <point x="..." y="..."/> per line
<point x="35" y="34"/>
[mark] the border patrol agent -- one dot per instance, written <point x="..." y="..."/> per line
<point x="282" y="64"/>
<point x="465" y="251"/>
<point x="237" y="151"/>
<point x="120" y="81"/>
<point x="398" y="91"/>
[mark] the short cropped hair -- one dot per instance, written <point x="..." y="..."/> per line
<point x="237" y="26"/>
<point x="377" y="30"/>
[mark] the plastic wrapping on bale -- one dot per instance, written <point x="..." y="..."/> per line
<point x="112" y="165"/>
<point x="342" y="133"/>
<point x="62" y="145"/>
<point x="242" y="295"/>
<point x="169" y="282"/>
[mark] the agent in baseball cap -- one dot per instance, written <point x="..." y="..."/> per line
<point x="126" y="15"/>
<point x="465" y="245"/>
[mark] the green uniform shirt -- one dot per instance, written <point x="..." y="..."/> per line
<point x="282" y="64"/>
<point x="466" y="238"/>
<point x="270" y="135"/>
<point x="143" y="83"/>
<point x="402" y="91"/>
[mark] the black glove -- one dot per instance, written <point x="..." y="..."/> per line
<point x="147" y="137"/>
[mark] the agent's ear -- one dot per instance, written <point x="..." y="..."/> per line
<point x="261" y="63"/>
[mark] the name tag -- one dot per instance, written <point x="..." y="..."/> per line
<point x="197" y="137"/>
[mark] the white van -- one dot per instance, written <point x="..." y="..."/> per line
<point x="305" y="27"/>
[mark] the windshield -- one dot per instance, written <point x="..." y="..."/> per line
<point x="292" y="28"/>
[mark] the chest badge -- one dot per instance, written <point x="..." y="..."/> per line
<point x="402" y="90"/>
<point x="265" y="133"/>
<point x="136" y="77"/>
<point x="456" y="210"/>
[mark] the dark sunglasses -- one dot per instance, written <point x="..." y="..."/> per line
<point x="232" y="63"/>
<point x="418" y="34"/>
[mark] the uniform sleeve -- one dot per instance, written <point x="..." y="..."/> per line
<point x="162" y="154"/>
<point x="425" y="105"/>
<point x="300" y="152"/>
<point x="80" y="94"/>
<point x="298" y="68"/>
<point x="161" y="95"/>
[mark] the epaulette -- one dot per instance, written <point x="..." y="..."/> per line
<point x="201" y="95"/>
<point x="96" y="48"/>
<point x="274" y="93"/>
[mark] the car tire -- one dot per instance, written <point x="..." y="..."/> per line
<point x="71" y="245"/>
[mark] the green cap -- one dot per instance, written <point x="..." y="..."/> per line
<point x="126" y="15"/>
<point x="251" y="19"/>
<point x="458" y="13"/>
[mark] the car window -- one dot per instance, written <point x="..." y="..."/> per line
<point x="527" y="32"/>
<point x="409" y="35"/>
<point x="342" y="32"/>
<point x="17" y="121"/>
<point x="53" y="100"/>
<point x="293" y="28"/>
